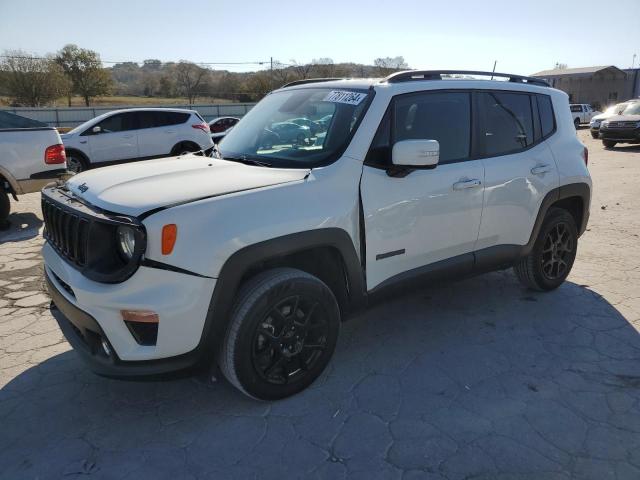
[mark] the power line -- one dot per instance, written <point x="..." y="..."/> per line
<point x="113" y="62"/>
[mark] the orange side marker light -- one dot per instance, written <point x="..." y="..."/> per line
<point x="169" y="236"/>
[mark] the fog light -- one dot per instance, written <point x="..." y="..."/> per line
<point x="105" y="347"/>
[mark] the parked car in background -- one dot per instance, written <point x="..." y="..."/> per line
<point x="220" y="126"/>
<point x="31" y="155"/>
<point x="594" y="124"/>
<point x="622" y="128"/>
<point x="249" y="261"/>
<point x="289" y="132"/>
<point x="314" y="127"/>
<point x="582" y="113"/>
<point x="135" y="134"/>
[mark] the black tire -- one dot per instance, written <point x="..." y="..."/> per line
<point x="76" y="163"/>
<point x="262" y="354"/>
<point x="576" y="123"/>
<point x="548" y="265"/>
<point x="5" y="208"/>
<point x="184" y="148"/>
<point x="594" y="135"/>
<point x="609" y="143"/>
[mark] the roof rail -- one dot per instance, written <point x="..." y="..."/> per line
<point x="409" y="75"/>
<point x="310" y="80"/>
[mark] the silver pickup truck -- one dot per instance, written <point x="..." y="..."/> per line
<point x="31" y="155"/>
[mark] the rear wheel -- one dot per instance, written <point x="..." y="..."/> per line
<point x="548" y="264"/>
<point x="5" y="207"/>
<point x="576" y="123"/>
<point x="282" y="334"/>
<point x="609" y="143"/>
<point x="183" y="148"/>
<point x="75" y="162"/>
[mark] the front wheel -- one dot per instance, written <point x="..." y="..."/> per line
<point x="548" y="264"/>
<point x="282" y="333"/>
<point x="576" y="123"/>
<point x="609" y="143"/>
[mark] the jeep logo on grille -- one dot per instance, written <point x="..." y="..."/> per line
<point x="83" y="187"/>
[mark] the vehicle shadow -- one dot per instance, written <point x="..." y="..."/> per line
<point x="22" y="226"/>
<point x="470" y="378"/>
<point x="625" y="148"/>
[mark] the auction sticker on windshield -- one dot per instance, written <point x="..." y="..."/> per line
<point x="341" y="96"/>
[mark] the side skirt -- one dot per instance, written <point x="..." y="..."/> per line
<point x="456" y="268"/>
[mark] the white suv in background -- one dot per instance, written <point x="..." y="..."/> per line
<point x="135" y="134"/>
<point x="249" y="260"/>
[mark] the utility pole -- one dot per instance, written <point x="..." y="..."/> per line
<point x="271" y="73"/>
<point x="633" y="62"/>
<point x="494" y="68"/>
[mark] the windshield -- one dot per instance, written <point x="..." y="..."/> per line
<point x="632" y="109"/>
<point x="299" y="128"/>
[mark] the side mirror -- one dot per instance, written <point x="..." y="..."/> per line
<point x="96" y="129"/>
<point x="416" y="153"/>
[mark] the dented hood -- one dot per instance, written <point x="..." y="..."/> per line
<point x="136" y="188"/>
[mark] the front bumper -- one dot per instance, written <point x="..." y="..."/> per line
<point x="85" y="335"/>
<point x="622" y="135"/>
<point x="180" y="300"/>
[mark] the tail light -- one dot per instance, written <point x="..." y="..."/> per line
<point x="202" y="126"/>
<point x="585" y="156"/>
<point x="55" y="154"/>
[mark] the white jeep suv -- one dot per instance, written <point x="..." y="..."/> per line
<point x="135" y="134"/>
<point x="249" y="260"/>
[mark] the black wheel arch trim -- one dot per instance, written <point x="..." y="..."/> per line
<point x="79" y="153"/>
<point x="580" y="189"/>
<point x="239" y="263"/>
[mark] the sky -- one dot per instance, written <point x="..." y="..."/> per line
<point x="524" y="37"/>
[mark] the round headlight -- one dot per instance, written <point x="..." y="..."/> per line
<point x="126" y="237"/>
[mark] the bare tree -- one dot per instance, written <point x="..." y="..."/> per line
<point x="301" y="70"/>
<point x="257" y="85"/>
<point x="388" y="65"/>
<point x="323" y="67"/>
<point x="32" y="81"/>
<point x="84" y="68"/>
<point x="189" y="79"/>
<point x="281" y="73"/>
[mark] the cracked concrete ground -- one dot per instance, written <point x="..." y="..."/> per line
<point x="477" y="379"/>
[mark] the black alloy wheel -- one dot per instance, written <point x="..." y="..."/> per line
<point x="289" y="340"/>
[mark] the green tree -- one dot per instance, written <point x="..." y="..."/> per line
<point x="30" y="80"/>
<point x="84" y="68"/>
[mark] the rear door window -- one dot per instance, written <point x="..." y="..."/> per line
<point x="161" y="119"/>
<point x="507" y="125"/>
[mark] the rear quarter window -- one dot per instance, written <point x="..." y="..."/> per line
<point x="547" y="118"/>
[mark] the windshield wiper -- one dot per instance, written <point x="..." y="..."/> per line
<point x="247" y="160"/>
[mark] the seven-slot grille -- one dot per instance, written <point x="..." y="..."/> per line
<point x="623" y="124"/>
<point x="66" y="231"/>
